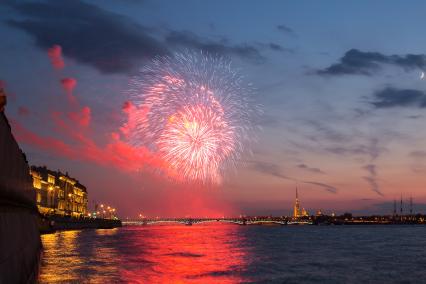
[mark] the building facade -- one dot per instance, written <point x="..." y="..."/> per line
<point x="59" y="194"/>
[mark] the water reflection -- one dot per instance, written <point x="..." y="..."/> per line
<point x="74" y="256"/>
<point x="59" y="256"/>
<point x="146" y="254"/>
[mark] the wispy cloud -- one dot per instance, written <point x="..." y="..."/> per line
<point x="326" y="187"/>
<point x="275" y="170"/>
<point x="374" y="151"/>
<point x="269" y="169"/>
<point x="392" y="97"/>
<point x="356" y="62"/>
<point x="372" y="178"/>
<point x="285" y="29"/>
<point x="310" y="169"/>
<point x="190" y="40"/>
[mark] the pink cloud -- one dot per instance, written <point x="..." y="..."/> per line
<point x="55" y="55"/>
<point x="116" y="153"/>
<point x="67" y="128"/>
<point x="71" y="139"/>
<point x="128" y="106"/>
<point x="48" y="144"/>
<point x="115" y="136"/>
<point x="133" y="115"/>
<point x="80" y="146"/>
<point x="82" y="117"/>
<point x="69" y="84"/>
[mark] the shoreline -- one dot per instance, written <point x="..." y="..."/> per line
<point x="51" y="224"/>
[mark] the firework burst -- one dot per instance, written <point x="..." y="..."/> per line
<point x="195" y="111"/>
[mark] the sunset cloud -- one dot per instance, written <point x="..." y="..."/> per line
<point x="372" y="178"/>
<point x="133" y="114"/>
<point x="82" y="117"/>
<point x="275" y="170"/>
<point x="48" y="144"/>
<point x="68" y="85"/>
<point x="55" y="55"/>
<point x="310" y="169"/>
<point x="116" y="153"/>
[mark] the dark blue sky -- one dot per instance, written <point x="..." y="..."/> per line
<point x="339" y="81"/>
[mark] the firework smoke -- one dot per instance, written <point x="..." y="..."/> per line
<point x="195" y="112"/>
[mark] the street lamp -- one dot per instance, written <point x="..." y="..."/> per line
<point x="51" y="197"/>
<point x="70" y="203"/>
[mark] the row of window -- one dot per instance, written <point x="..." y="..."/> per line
<point x="63" y="197"/>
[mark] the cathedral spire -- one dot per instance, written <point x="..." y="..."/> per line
<point x="296" y="209"/>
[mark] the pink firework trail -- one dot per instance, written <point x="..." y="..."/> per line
<point x="195" y="111"/>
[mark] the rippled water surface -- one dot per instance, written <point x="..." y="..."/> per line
<point x="224" y="253"/>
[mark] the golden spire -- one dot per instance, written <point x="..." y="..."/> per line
<point x="296" y="210"/>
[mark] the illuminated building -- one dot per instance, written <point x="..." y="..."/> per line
<point x="297" y="213"/>
<point x="296" y="210"/>
<point x="57" y="193"/>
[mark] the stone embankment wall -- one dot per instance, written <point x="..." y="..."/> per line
<point x="20" y="243"/>
<point x="51" y="224"/>
<point x="86" y="224"/>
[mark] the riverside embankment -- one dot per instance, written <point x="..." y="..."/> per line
<point x="58" y="223"/>
<point x="20" y="243"/>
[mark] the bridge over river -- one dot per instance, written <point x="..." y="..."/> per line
<point x="193" y="221"/>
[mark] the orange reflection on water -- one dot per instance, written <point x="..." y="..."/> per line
<point x="72" y="257"/>
<point x="54" y="256"/>
<point x="146" y="254"/>
<point x="188" y="254"/>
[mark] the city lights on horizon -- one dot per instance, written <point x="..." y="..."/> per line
<point x="103" y="211"/>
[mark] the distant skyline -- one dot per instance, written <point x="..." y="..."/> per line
<point x="341" y="83"/>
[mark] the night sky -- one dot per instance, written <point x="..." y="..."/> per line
<point x="340" y="83"/>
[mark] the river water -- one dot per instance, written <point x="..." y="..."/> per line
<point x="225" y="253"/>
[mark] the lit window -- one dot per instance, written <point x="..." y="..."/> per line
<point x="36" y="183"/>
<point x="51" y="179"/>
